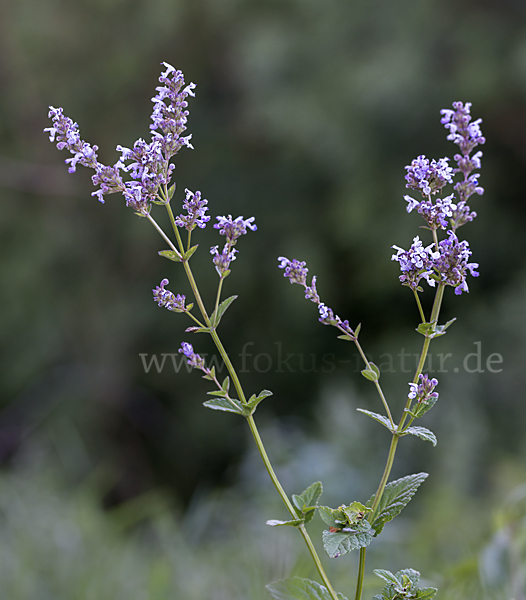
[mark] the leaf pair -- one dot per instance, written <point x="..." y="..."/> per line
<point x="225" y="403"/>
<point x="421" y="432"/>
<point x="305" y="505"/>
<point x="404" y="584"/>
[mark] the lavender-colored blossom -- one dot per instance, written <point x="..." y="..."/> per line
<point x="234" y="228"/>
<point x="415" y="263"/>
<point x="424" y="394"/>
<point x="223" y="259"/>
<point x="451" y="263"/>
<point x="169" y="112"/>
<point x="428" y="177"/>
<point x="194" y="360"/>
<point x="462" y="131"/>
<point x="196" y="208"/>
<point x="167" y="299"/>
<point x="435" y="213"/>
<point x="296" y="272"/>
<point x="147" y="163"/>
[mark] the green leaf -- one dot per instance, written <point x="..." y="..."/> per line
<point x="334" y="517"/>
<point x="357" y="331"/>
<point x="226" y="384"/>
<point x="171" y="191"/>
<point x="373" y="373"/>
<point x="170" y="255"/>
<point x="307" y="502"/>
<point x="189" y="252"/>
<point x="432" y="330"/>
<point x="254" y="400"/>
<point x="211" y="375"/>
<point x="341" y="542"/>
<point x="397" y="494"/>
<point x="277" y="523"/>
<point x="355" y="512"/>
<point x="220" y="393"/>
<point x="216" y="316"/>
<point x="404" y="584"/>
<point x="421" y="408"/>
<point x="380" y="418"/>
<point x="297" y="588"/>
<point x="225" y="404"/>
<point x="422" y="433"/>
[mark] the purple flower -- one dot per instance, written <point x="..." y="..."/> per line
<point x="451" y="263"/>
<point x="296" y="272"/>
<point x="424" y="394"/>
<point x="194" y="360"/>
<point x="233" y="229"/>
<point x="167" y="299"/>
<point x="437" y="213"/>
<point x="196" y="208"/>
<point x="462" y="131"/>
<point x="415" y="263"/>
<point x="222" y="260"/>
<point x="428" y="177"/>
<point x="169" y="112"/>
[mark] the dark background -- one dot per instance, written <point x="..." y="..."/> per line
<point x="306" y="113"/>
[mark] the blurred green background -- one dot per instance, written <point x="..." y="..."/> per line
<point x="118" y="483"/>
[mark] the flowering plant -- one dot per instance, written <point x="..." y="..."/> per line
<point x="442" y="263"/>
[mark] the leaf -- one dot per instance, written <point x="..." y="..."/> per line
<point x="254" y="400"/>
<point x="355" y="512"/>
<point x="422" y="433"/>
<point x="171" y="191"/>
<point x="225" y="404"/>
<point x="296" y="588"/>
<point x="307" y="502"/>
<point x="189" y="252"/>
<point x="432" y="330"/>
<point x="404" y="584"/>
<point x="171" y="255"/>
<point x="334" y="517"/>
<point x="211" y="375"/>
<point x="226" y="384"/>
<point x="421" y="407"/>
<point x="277" y="523"/>
<point x="386" y="576"/>
<point x="341" y="542"/>
<point x="216" y="316"/>
<point x="380" y="418"/>
<point x="373" y="373"/>
<point x="309" y="497"/>
<point x="397" y="494"/>
<point x="198" y="330"/>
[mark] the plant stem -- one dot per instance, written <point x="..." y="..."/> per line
<point x="290" y="508"/>
<point x="396" y="436"/>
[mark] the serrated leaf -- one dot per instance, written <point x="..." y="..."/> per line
<point x="225" y="404"/>
<point x="334" y="517"/>
<point x="189" y="252"/>
<point x="397" y="494"/>
<point x="226" y="384"/>
<point x="170" y="255"/>
<point x="339" y="542"/>
<point x="216" y="316"/>
<point x="422" y="433"/>
<point x="278" y="523"/>
<point x="421" y="408"/>
<point x="297" y="588"/>
<point x="254" y="400"/>
<point x="210" y="376"/>
<point x="309" y="497"/>
<point x="386" y="576"/>
<point x="380" y="418"/>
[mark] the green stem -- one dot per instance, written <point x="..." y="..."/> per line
<point x="396" y="436"/>
<point x="290" y="508"/>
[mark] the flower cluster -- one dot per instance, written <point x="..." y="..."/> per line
<point x="428" y="177"/>
<point x="167" y="299"/>
<point x="147" y="163"/>
<point x="467" y="135"/>
<point x="196" y="208"/>
<point x="194" y="360"/>
<point x="232" y="229"/>
<point x="452" y="265"/>
<point x="296" y="272"/>
<point x="415" y="263"/>
<point x="424" y="394"/>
